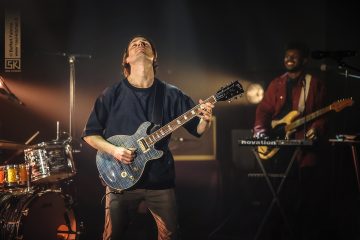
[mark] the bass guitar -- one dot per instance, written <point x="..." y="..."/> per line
<point x="119" y="176"/>
<point x="286" y="126"/>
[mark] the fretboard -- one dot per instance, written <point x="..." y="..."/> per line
<point x="176" y="123"/>
<point x="307" y="118"/>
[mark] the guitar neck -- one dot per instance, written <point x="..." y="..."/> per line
<point x="307" y="118"/>
<point x="176" y="123"/>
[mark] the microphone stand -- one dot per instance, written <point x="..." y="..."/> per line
<point x="72" y="59"/>
<point x="346" y="67"/>
<point x="350" y="75"/>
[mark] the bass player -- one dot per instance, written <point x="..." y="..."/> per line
<point x="298" y="90"/>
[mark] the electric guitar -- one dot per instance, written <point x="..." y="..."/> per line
<point x="119" y="176"/>
<point x="286" y="126"/>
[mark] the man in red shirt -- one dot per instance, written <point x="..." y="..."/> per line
<point x="298" y="90"/>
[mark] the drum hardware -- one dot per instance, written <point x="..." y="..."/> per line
<point x="19" y="151"/>
<point x="57" y="130"/>
<point x="68" y="224"/>
<point x="5" y="90"/>
<point x="26" y="216"/>
<point x="68" y="140"/>
<point x="18" y="147"/>
<point x="28" y="179"/>
<point x="28" y="195"/>
<point x="11" y="145"/>
<point x="76" y="151"/>
<point x="25" y="212"/>
<point x="50" y="161"/>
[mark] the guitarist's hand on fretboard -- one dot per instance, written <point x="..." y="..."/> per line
<point x="205" y="110"/>
<point x="205" y="114"/>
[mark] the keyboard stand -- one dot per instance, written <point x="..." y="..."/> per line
<point x="352" y="144"/>
<point x="275" y="193"/>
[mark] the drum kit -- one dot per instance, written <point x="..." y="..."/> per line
<point x="32" y="205"/>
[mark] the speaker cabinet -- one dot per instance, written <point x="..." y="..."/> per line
<point x="242" y="156"/>
<point x="184" y="146"/>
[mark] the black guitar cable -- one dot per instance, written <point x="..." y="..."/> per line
<point x="114" y="192"/>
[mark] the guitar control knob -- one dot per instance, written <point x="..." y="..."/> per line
<point x="123" y="174"/>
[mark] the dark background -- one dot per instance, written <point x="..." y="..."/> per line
<point x="202" y="45"/>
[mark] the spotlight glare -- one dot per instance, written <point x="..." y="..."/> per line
<point x="254" y="93"/>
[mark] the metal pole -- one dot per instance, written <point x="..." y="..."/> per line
<point x="72" y="93"/>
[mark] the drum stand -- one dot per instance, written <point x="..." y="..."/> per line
<point x="28" y="178"/>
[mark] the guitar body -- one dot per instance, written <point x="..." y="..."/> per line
<point x="121" y="176"/>
<point x="284" y="127"/>
<point x="266" y="152"/>
<point x="279" y="130"/>
<point x="289" y="118"/>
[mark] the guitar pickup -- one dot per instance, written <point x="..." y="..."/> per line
<point x="143" y="145"/>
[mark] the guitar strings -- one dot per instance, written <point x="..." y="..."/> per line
<point x="181" y="118"/>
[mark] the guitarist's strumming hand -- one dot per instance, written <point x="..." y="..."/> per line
<point x="124" y="155"/>
<point x="311" y="134"/>
<point x="261" y="135"/>
<point x="205" y="114"/>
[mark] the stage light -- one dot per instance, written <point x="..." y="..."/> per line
<point x="254" y="93"/>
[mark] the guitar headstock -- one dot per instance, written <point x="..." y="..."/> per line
<point x="229" y="91"/>
<point x="341" y="104"/>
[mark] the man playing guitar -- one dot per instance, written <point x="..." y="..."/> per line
<point x="297" y="90"/>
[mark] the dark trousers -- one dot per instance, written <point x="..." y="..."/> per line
<point x="161" y="203"/>
<point x="304" y="199"/>
<point x="312" y="212"/>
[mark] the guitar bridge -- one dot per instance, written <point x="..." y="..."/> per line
<point x="143" y="145"/>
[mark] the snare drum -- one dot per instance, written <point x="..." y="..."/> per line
<point x="50" y="162"/>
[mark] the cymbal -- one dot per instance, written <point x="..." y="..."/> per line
<point x="11" y="145"/>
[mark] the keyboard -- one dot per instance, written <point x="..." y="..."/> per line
<point x="274" y="143"/>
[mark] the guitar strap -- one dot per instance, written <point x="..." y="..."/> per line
<point x="304" y="93"/>
<point x="158" y="107"/>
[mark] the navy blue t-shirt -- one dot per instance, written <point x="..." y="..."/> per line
<point x="122" y="108"/>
